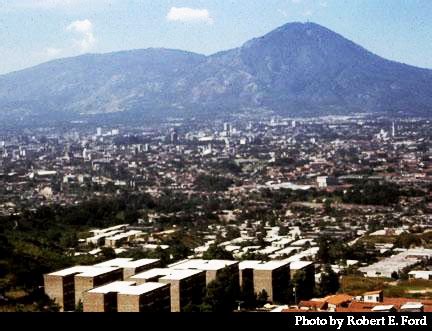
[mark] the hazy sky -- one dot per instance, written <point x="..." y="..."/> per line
<point x="35" y="31"/>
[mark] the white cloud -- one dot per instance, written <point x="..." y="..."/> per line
<point x="308" y="13"/>
<point x="52" y="52"/>
<point x="83" y="26"/>
<point x="85" y="29"/>
<point x="83" y="43"/>
<point x="185" y="14"/>
<point x="284" y="13"/>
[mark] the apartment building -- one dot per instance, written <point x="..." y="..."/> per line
<point x="186" y="286"/>
<point x="126" y="296"/>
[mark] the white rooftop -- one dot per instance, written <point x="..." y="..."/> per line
<point x="112" y="287"/>
<point x="248" y="264"/>
<point x="128" y="288"/>
<point x="181" y="274"/>
<point x="202" y="264"/>
<point x="152" y="273"/>
<point x="126" y="263"/>
<point x="382" y="308"/>
<point x="125" y="235"/>
<point x="96" y="271"/>
<point x="261" y="265"/>
<point x="297" y="265"/>
<point x="83" y="271"/>
<point x="70" y="271"/>
<point x="141" y="289"/>
<point x="397" y="262"/>
<point x="117" y="227"/>
<point x="166" y="273"/>
<point x="420" y="272"/>
<point x="271" y="265"/>
<point x="412" y="305"/>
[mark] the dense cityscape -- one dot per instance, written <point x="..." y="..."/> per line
<point x="248" y="213"/>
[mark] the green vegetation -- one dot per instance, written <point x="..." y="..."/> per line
<point x="210" y="183"/>
<point x="215" y="252"/>
<point x="373" y="193"/>
<point x="301" y="286"/>
<point x="41" y="241"/>
<point x="222" y="293"/>
<point x="329" y="283"/>
<point x="357" y="285"/>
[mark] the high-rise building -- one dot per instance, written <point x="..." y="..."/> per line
<point x="126" y="296"/>
<point x="129" y="266"/>
<point x="211" y="267"/>
<point x="66" y="287"/>
<point x="186" y="286"/>
<point x="174" y="137"/>
<point x="273" y="277"/>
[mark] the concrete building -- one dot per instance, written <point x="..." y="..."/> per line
<point x="66" y="287"/>
<point x="104" y="298"/>
<point x="145" y="298"/>
<point x="420" y="274"/>
<point x="128" y="297"/>
<point x="186" y="286"/>
<point x="121" y="238"/>
<point x="130" y="267"/>
<point x="325" y="181"/>
<point x="211" y="267"/>
<point x="273" y="277"/>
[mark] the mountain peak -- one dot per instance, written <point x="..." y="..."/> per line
<point x="298" y="68"/>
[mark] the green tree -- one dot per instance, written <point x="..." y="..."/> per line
<point x="328" y="209"/>
<point x="108" y="253"/>
<point x="302" y="286"/>
<point x="262" y="298"/>
<point x="407" y="240"/>
<point x="323" y="254"/>
<point x="215" y="252"/>
<point x="79" y="307"/>
<point x="222" y="293"/>
<point x="329" y="283"/>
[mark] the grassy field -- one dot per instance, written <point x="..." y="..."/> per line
<point x="356" y="285"/>
<point x="378" y="239"/>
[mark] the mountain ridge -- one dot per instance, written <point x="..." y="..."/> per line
<point x="296" y="68"/>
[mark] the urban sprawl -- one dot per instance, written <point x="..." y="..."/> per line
<point x="241" y="214"/>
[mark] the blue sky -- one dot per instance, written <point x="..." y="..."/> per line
<point x="35" y="31"/>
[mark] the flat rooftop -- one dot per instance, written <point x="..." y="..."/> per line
<point x="112" y="287"/>
<point x="271" y="265"/>
<point x="126" y="263"/>
<point x="167" y="274"/>
<point x="141" y="289"/>
<point x="261" y="265"/>
<point x="128" y="288"/>
<point x="181" y="274"/>
<point x="249" y="264"/>
<point x="199" y="264"/>
<point x="156" y="272"/>
<point x="83" y="271"/>
<point x="125" y="235"/>
<point x="298" y="265"/>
